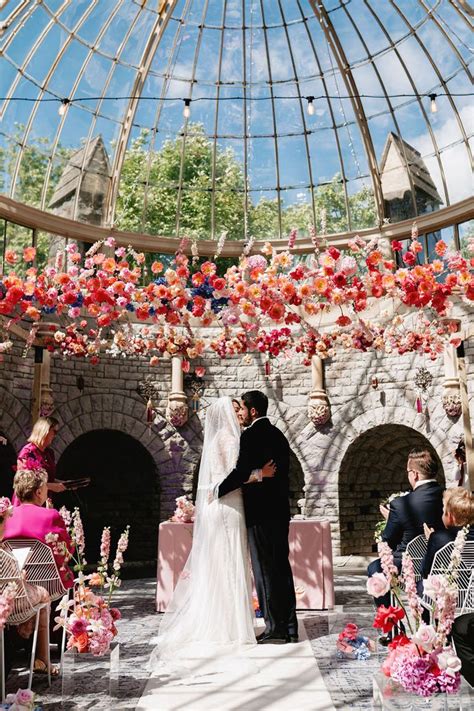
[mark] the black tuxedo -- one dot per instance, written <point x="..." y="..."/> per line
<point x="267" y="514"/>
<point x="463" y="636"/>
<point x="409" y="513"/>
<point x="405" y="522"/>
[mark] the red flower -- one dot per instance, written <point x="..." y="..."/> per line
<point x="409" y="259"/>
<point x="343" y="321"/>
<point x="399" y="641"/>
<point x="350" y="631"/>
<point x="387" y="617"/>
<point x="339" y="279"/>
<point x="397" y="246"/>
<point x="335" y="253"/>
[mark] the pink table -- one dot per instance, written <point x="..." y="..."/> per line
<point x="310" y="558"/>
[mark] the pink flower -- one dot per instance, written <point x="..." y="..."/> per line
<point x="78" y="626"/>
<point x="449" y="661"/>
<point x="378" y="585"/>
<point x="425" y="637"/>
<point x="200" y="371"/>
<point x="24" y="697"/>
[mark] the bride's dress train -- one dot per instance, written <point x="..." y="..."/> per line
<point x="208" y="624"/>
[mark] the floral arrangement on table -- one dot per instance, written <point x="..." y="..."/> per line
<point x="380" y="526"/>
<point x="420" y="658"/>
<point x="255" y="303"/>
<point x="184" y="512"/>
<point x="23" y="700"/>
<point x="89" y="618"/>
<point x="353" y="645"/>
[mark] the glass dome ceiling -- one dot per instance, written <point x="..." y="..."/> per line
<point x="249" y="159"/>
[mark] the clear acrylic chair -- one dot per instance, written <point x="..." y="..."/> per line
<point x="23" y="610"/>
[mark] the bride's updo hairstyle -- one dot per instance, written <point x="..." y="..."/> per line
<point x="257" y="400"/>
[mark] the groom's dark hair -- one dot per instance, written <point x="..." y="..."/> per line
<point x="256" y="399"/>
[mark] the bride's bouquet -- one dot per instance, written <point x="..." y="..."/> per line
<point x="184" y="512"/>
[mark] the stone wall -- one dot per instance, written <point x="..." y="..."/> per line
<point x="334" y="473"/>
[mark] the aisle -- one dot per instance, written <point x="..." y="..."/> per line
<point x="284" y="678"/>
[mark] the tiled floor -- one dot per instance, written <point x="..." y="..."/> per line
<point x="349" y="682"/>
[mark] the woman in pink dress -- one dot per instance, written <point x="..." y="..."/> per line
<point x="36" y="595"/>
<point x="31" y="520"/>
<point x="37" y="453"/>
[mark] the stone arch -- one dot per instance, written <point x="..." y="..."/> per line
<point x="15" y="419"/>
<point x="173" y="452"/>
<point x="323" y="449"/>
<point x="124" y="490"/>
<point x="373" y="468"/>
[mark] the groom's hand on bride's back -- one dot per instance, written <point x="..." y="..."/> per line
<point x="269" y="469"/>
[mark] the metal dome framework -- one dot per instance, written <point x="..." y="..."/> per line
<point x="248" y="68"/>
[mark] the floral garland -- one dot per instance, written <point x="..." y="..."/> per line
<point x="269" y="302"/>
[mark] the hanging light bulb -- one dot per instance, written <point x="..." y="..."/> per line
<point x="310" y="100"/>
<point x="187" y="108"/>
<point x="63" y="106"/>
<point x="433" y="106"/>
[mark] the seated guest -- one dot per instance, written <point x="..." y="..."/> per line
<point x="407" y="514"/>
<point x="458" y="511"/>
<point x="31" y="520"/>
<point x="36" y="595"/>
<point x="463" y="637"/>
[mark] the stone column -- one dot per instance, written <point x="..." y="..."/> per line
<point x="466" y="419"/>
<point x="319" y="410"/>
<point x="451" y="393"/>
<point x="42" y="401"/>
<point x="177" y="409"/>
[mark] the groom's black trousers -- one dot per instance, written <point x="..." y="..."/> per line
<point x="269" y="550"/>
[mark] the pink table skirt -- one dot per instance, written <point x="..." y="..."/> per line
<point x="310" y="558"/>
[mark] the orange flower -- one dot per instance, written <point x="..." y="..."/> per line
<point x="374" y="258"/>
<point x="11" y="257"/>
<point x="109" y="265"/>
<point x="208" y="268"/>
<point x="276" y="311"/>
<point x="156" y="267"/>
<point x="29" y="253"/>
<point x="81" y="642"/>
<point x="440" y="248"/>
<point x="95" y="580"/>
<point x="320" y="284"/>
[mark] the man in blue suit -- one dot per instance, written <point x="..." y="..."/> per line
<point x="407" y="514"/>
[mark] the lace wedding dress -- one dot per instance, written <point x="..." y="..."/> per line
<point x="211" y="613"/>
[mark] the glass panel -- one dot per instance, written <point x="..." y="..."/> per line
<point x="263" y="217"/>
<point x="294" y="161"/>
<point x="17" y="238"/>
<point x="262" y="169"/>
<point x="297" y="212"/>
<point x="362" y="204"/>
<point x="466" y="234"/>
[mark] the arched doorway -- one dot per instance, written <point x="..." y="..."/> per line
<point x="124" y="490"/>
<point x="7" y="464"/>
<point x="373" y="467"/>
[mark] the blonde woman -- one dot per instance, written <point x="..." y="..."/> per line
<point x="37" y="453"/>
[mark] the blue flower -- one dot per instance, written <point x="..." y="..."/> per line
<point x="130" y="307"/>
<point x="218" y="304"/>
<point x="49" y="309"/>
<point x="159" y="280"/>
<point x="79" y="300"/>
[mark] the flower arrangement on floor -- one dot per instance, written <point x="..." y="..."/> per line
<point x="89" y="618"/>
<point x="380" y="526"/>
<point x="353" y="645"/>
<point x="184" y="512"/>
<point x="23" y="700"/>
<point x="420" y="658"/>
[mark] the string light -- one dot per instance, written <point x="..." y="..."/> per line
<point x="63" y="106"/>
<point x="187" y="108"/>
<point x="310" y="100"/>
<point x="433" y="106"/>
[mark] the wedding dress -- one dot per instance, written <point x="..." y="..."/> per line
<point x="211" y="612"/>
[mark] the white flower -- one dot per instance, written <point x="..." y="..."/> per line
<point x="95" y="626"/>
<point x="448" y="661"/>
<point x="425" y="637"/>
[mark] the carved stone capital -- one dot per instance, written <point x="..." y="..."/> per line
<point x="319" y="410"/>
<point x="177" y="409"/>
<point x="452" y="403"/>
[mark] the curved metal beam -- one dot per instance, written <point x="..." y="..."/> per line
<point x="33" y="218"/>
<point x="352" y="90"/>
<point x="145" y="63"/>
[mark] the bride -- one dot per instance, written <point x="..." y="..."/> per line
<point x="211" y="609"/>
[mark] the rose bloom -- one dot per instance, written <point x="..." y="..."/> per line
<point x="11" y="257"/>
<point x="449" y="661"/>
<point x="425" y="637"/>
<point x="276" y="311"/>
<point x="409" y="258"/>
<point x="156" y="267"/>
<point x="377" y="585"/>
<point x="24" y="697"/>
<point x="397" y="246"/>
<point x="81" y="642"/>
<point x="29" y="253"/>
<point x="387" y="617"/>
<point x="200" y="371"/>
<point x="440" y="248"/>
<point x="415" y="247"/>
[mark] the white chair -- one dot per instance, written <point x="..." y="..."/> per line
<point x="23" y="610"/>
<point x="440" y="565"/>
<point x="41" y="569"/>
<point x="416" y="549"/>
<point x="468" y="604"/>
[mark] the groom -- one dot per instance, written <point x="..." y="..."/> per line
<point x="267" y="514"/>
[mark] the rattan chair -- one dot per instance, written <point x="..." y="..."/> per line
<point x="23" y="610"/>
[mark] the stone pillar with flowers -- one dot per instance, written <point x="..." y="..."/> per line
<point x="42" y="401"/>
<point x="451" y="391"/>
<point x="177" y="408"/>
<point x="319" y="410"/>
